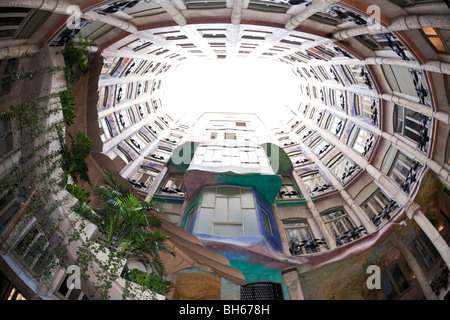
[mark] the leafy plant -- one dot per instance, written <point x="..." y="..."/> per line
<point x="73" y="155"/>
<point x="128" y="224"/>
<point x="148" y="280"/>
<point x="75" y="53"/>
<point x="67" y="104"/>
<point x="78" y="192"/>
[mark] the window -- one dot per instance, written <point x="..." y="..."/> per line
<point x="227" y="212"/>
<point x="143" y="109"/>
<point x="125" y="118"/>
<point x="366" y="108"/>
<point x="379" y="41"/>
<point x="439" y="39"/>
<point x="298" y="230"/>
<point x="404" y="171"/>
<point x="161" y="154"/>
<point x="265" y="6"/>
<point x="144" y="177"/>
<point x="34" y="250"/>
<point x="133" y="66"/>
<point x="266" y="222"/>
<point x="357" y="75"/>
<point x="250" y="157"/>
<point x="111" y="65"/>
<point x="190" y="217"/>
<point x="211" y="4"/>
<point x="255" y="34"/>
<point x="20" y="23"/>
<point x="379" y="208"/>
<point x="138" y="141"/>
<point x="408" y="81"/>
<point x="426" y="250"/>
<point x="342" y="167"/>
<point x="412" y="125"/>
<point x="288" y="191"/>
<point x="298" y="159"/>
<point x="6" y="136"/>
<point x="9" y="206"/>
<point x="320" y="147"/>
<point x="155" y="128"/>
<point x="361" y="140"/>
<point x="230" y="136"/>
<point x="142" y="87"/>
<point x="70" y="294"/>
<point x="393" y="281"/>
<point x="304" y="133"/>
<point x="334" y="124"/>
<point x="105" y="129"/>
<point x="123" y="154"/>
<point x="315" y="183"/>
<point x="7" y="70"/>
<point x="212" y="33"/>
<point x="340" y="226"/>
<point x="173" y="185"/>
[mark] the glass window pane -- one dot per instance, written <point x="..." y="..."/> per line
<point x="266" y="222"/>
<point x="6" y="217"/>
<point x="209" y="197"/>
<point x="221" y="210"/>
<point x="228" y="192"/>
<point x="387" y="287"/>
<point x="234" y="214"/>
<point x="228" y="230"/>
<point x="247" y="198"/>
<point x="205" y="220"/>
<point x="399" y="278"/>
<point x="250" y="222"/>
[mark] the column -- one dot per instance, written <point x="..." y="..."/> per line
<point x="427" y="227"/>
<point x="316" y="223"/>
<point x="292" y="281"/>
<point x="358" y="211"/>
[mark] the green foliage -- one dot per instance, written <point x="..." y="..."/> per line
<point x="73" y="155"/>
<point x="75" y="53"/>
<point x="148" y="280"/>
<point x="67" y="104"/>
<point x="127" y="223"/>
<point x="66" y="98"/>
<point x="78" y="192"/>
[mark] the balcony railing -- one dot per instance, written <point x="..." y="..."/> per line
<point x="385" y="213"/>
<point x="440" y="280"/>
<point x="297" y="248"/>
<point x="350" y="235"/>
<point x="411" y="176"/>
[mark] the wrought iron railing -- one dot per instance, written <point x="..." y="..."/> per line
<point x="297" y="247"/>
<point x="350" y="235"/>
<point x="386" y="213"/>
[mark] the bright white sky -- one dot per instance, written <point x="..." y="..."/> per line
<point x="261" y="86"/>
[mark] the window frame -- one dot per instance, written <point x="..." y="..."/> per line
<point x="314" y="177"/>
<point x="294" y="225"/>
<point x="335" y="223"/>
<point x="386" y="274"/>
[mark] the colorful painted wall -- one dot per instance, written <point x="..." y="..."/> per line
<point x="346" y="279"/>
